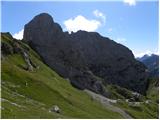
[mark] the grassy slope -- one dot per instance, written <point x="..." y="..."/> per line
<point x="143" y="111"/>
<point x="31" y="94"/>
<point x="153" y="90"/>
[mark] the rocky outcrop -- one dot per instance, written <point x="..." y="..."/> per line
<point x="152" y="63"/>
<point x="10" y="46"/>
<point x="86" y="58"/>
<point x="6" y="48"/>
<point x="29" y="63"/>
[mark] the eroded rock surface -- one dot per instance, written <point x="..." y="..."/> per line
<point x="86" y="58"/>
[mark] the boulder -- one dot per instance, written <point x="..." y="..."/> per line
<point x="55" y="108"/>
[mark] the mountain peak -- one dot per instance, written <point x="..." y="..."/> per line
<point x="73" y="55"/>
<point x="41" y="24"/>
<point x="45" y="16"/>
<point x="152" y="63"/>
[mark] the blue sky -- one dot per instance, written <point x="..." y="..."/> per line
<point x="129" y="22"/>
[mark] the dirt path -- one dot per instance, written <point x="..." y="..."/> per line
<point x="105" y="101"/>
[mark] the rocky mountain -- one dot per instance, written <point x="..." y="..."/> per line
<point x="87" y="59"/>
<point x="143" y="57"/>
<point x="152" y="63"/>
<point x="32" y="90"/>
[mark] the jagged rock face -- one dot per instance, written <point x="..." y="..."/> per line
<point x="152" y="63"/>
<point x="84" y="57"/>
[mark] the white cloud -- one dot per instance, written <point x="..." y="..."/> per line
<point x="100" y="15"/>
<point x="141" y="54"/>
<point x="130" y="2"/>
<point x="19" y="35"/>
<point x="81" y="23"/>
